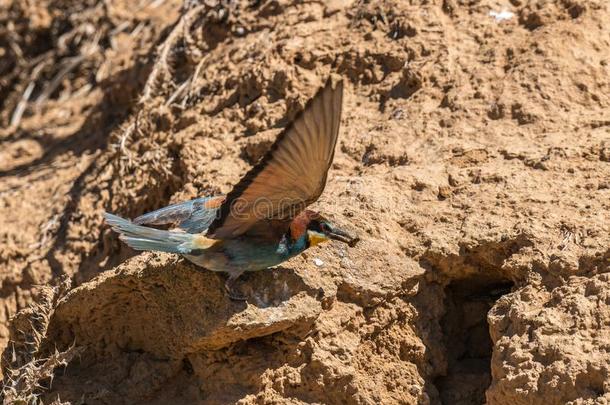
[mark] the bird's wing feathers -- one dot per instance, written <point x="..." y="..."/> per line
<point x="193" y="216"/>
<point x="290" y="176"/>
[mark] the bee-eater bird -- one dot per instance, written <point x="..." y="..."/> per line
<point x="263" y="221"/>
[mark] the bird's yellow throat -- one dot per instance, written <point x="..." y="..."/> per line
<point x="316" y="238"/>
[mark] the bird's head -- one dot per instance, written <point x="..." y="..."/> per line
<point x="319" y="229"/>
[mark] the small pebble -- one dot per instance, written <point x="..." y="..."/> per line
<point x="502" y="15"/>
<point x="444" y="192"/>
<point x="318" y="262"/>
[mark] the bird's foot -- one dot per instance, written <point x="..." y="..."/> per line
<point x="232" y="291"/>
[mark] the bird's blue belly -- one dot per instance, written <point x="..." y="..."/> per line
<point x="236" y="256"/>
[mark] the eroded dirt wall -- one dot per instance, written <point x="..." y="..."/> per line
<point x="473" y="161"/>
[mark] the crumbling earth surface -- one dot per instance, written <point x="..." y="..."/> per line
<point x="473" y="162"/>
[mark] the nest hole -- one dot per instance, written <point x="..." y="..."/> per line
<point x="467" y="340"/>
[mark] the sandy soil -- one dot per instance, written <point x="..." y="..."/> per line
<point x="473" y="161"/>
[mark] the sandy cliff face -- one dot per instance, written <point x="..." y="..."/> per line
<point x="473" y="162"/>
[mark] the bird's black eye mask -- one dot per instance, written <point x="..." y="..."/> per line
<point x="318" y="226"/>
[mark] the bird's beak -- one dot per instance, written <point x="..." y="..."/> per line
<point x="338" y="234"/>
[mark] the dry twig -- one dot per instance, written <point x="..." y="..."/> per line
<point x="161" y="67"/>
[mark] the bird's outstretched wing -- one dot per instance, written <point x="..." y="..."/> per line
<point x="290" y="176"/>
<point x="193" y="216"/>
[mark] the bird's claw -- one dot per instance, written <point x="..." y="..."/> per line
<point x="232" y="292"/>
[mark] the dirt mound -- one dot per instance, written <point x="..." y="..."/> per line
<point x="473" y="162"/>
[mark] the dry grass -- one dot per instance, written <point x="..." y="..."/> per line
<point x="27" y="365"/>
<point x="30" y="79"/>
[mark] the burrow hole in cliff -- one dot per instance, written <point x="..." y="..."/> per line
<point x="467" y="340"/>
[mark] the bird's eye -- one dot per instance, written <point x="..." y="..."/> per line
<point x="324" y="227"/>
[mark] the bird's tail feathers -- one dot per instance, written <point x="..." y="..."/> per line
<point x="144" y="238"/>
